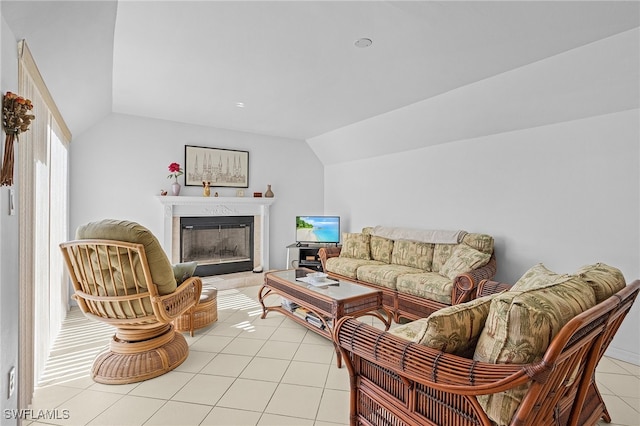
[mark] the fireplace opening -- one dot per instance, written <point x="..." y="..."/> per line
<point x="220" y="244"/>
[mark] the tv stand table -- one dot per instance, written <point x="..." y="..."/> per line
<point x="324" y="304"/>
<point x="305" y="255"/>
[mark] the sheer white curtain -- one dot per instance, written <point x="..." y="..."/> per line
<point x="43" y="208"/>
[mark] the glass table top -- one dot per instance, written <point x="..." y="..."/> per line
<point x="338" y="291"/>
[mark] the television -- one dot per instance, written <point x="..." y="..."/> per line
<point x="317" y="229"/>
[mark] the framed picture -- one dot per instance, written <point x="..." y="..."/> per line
<point x="220" y="167"/>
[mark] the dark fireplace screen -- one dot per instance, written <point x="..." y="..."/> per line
<point x="220" y="244"/>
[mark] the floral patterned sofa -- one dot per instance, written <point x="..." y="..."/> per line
<point x="418" y="271"/>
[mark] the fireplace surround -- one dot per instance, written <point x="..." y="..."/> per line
<point x="177" y="207"/>
<point x="220" y="244"/>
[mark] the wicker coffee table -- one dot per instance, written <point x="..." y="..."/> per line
<point x="325" y="304"/>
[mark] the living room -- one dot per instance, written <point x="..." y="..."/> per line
<point x="535" y="154"/>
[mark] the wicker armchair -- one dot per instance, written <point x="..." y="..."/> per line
<point x="396" y="382"/>
<point x="117" y="283"/>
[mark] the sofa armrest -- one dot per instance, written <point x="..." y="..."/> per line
<point x="465" y="285"/>
<point x="326" y="253"/>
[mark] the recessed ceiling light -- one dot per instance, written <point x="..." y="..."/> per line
<point x="363" y="42"/>
<point x="240" y="104"/>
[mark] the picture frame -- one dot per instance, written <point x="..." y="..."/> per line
<point x="221" y="167"/>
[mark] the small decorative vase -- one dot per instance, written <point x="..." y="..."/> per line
<point x="206" y="189"/>
<point x="175" y="189"/>
<point x="269" y="193"/>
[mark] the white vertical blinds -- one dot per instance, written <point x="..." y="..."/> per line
<point x="43" y="207"/>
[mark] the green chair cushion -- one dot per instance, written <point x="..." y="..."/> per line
<point x="183" y="271"/>
<point x="127" y="231"/>
<point x="538" y="276"/>
<point x="522" y="323"/>
<point x="605" y="280"/>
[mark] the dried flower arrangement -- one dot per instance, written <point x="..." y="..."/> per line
<point x="16" y="118"/>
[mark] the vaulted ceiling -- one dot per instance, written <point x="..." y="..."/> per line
<point x="293" y="66"/>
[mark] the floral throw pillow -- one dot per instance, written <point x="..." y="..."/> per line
<point x="455" y="329"/>
<point x="356" y="246"/>
<point x="381" y="249"/>
<point x="463" y="259"/>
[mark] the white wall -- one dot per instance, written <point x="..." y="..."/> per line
<point x="566" y="195"/>
<point x="119" y="166"/>
<point x="9" y="290"/>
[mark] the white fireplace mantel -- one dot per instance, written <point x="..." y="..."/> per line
<point x="217" y="206"/>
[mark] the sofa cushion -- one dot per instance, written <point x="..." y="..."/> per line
<point x="384" y="275"/>
<point x="429" y="285"/>
<point x="463" y="259"/>
<point x="356" y="246"/>
<point x="132" y="232"/>
<point x="536" y="277"/>
<point x="454" y="329"/>
<point x="441" y="253"/>
<point x="381" y="249"/>
<point x="346" y="266"/>
<point x="414" y="254"/>
<point x="412" y="331"/>
<point x="521" y="325"/>
<point x="605" y="280"/>
<point x="481" y="242"/>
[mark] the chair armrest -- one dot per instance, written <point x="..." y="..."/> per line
<point x="489" y="287"/>
<point x="465" y="285"/>
<point x="171" y="306"/>
<point x="326" y="253"/>
<point x="425" y="365"/>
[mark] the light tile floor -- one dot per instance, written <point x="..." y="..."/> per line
<point x="241" y="370"/>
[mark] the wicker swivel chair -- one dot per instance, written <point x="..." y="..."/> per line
<point x="122" y="277"/>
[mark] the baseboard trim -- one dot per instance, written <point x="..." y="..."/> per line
<point x="622" y="355"/>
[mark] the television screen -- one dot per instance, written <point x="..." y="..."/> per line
<point x="317" y="229"/>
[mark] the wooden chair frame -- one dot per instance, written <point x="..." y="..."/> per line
<point x="145" y="344"/>
<point x="396" y="382"/>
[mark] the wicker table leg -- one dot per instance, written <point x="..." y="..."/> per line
<point x="201" y="315"/>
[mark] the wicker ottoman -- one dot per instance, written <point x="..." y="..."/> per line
<point x="201" y="315"/>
